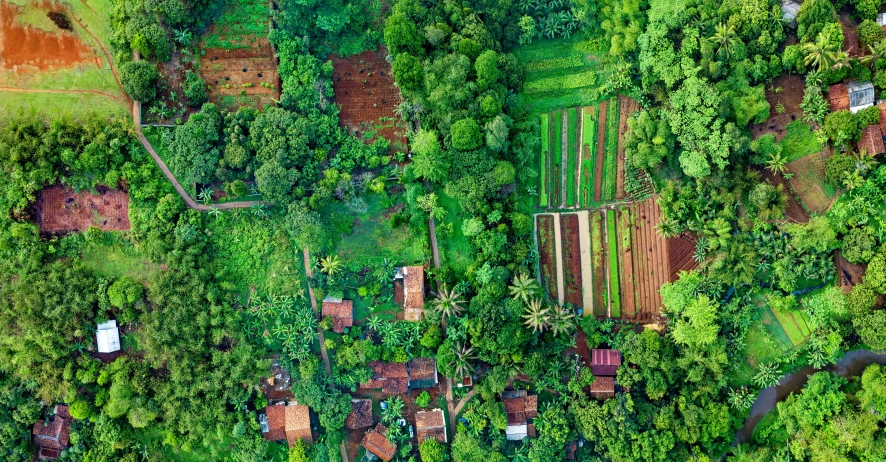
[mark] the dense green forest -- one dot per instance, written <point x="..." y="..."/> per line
<point x="207" y="299"/>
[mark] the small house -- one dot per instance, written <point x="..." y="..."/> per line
<point x="431" y="424"/>
<point x="871" y="141"/>
<point x="604" y="363"/>
<point x="273" y="422"/>
<point x="53" y="435"/>
<point x="422" y="373"/>
<point x="298" y="424"/>
<point x="413" y="278"/>
<point x="521" y="409"/>
<point x="107" y="337"/>
<point x="851" y="96"/>
<point x="392" y="378"/>
<point x="361" y="414"/>
<point x="789" y="10"/>
<point x="376" y="442"/>
<point x="341" y="312"/>
<point x="603" y="387"/>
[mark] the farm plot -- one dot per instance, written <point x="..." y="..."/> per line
<point x="239" y="64"/>
<point x="365" y="90"/>
<point x="544" y="171"/>
<point x="612" y="241"/>
<point x="681" y="253"/>
<point x="809" y="183"/>
<point x="849" y="274"/>
<point x="610" y="150"/>
<point x="548" y="271"/>
<point x="571" y="251"/>
<point x="598" y="261"/>
<point x="650" y="258"/>
<point x="794" y="323"/>
<point x="556" y="157"/>
<point x="61" y="210"/>
<point x="561" y="73"/>
<point x="572" y="153"/>
<point x="588" y="149"/>
<point x="625" y="251"/>
<point x="627" y="107"/>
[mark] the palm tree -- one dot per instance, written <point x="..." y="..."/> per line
<point x="725" y="38"/>
<point x="536" y="316"/>
<point x="183" y="36"/>
<point x="375" y="323"/>
<point x="777" y="163"/>
<point x="523" y="287"/>
<point x="330" y="265"/>
<point x="767" y="375"/>
<point x="205" y="195"/>
<point x="668" y="228"/>
<point x="823" y="53"/>
<point x="448" y="302"/>
<point x="214" y="211"/>
<point x="561" y="320"/>
<point x="461" y="363"/>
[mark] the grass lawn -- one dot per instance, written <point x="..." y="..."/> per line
<point x="794" y="324"/>
<point x="615" y="303"/>
<point x="766" y="341"/>
<point x="372" y="237"/>
<point x="456" y="249"/>
<point x="545" y="154"/>
<point x="572" y="144"/>
<point x="115" y="258"/>
<point x="799" y="141"/>
<point x="589" y="156"/>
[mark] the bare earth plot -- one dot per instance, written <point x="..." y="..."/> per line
<point x="61" y="210"/>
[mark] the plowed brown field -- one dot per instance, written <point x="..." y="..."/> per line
<point x="61" y="210"/>
<point x="24" y="48"/>
<point x="571" y="258"/>
<point x="242" y="76"/>
<point x="650" y="252"/>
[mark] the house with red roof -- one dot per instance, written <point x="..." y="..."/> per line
<point x="604" y="363"/>
<point x="52" y="436"/>
<point x="376" y="442"/>
<point x="340" y="311"/>
<point x="521" y="409"/>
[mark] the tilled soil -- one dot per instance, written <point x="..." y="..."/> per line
<point x="61" y="210"/>
<point x="794" y="210"/>
<point x="249" y="73"/>
<point x="628" y="303"/>
<point x="571" y="258"/>
<point x="24" y="48"/>
<point x="850" y="274"/>
<point x="628" y="107"/>
<point x="650" y="250"/>
<point x="601" y="150"/>
<point x="547" y="257"/>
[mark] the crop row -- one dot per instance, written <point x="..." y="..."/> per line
<point x="562" y="82"/>
<point x="571" y="155"/>
<point x="545" y="156"/>
<point x="610" y="164"/>
<point x="550" y="64"/>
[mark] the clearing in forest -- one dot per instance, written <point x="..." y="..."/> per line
<point x="54" y="59"/>
<point x="365" y="90"/>
<point x="810" y="184"/>
<point x="561" y="73"/>
<point x="239" y="64"/>
<point x="61" y="210"/>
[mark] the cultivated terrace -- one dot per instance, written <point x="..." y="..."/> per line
<point x="443" y="230"/>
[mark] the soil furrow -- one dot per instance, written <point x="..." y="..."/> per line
<point x="601" y="150"/>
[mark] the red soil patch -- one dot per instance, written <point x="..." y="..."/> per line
<point x="61" y="210"/>
<point x="569" y="239"/>
<point x="243" y="76"/>
<point x="650" y="250"/>
<point x="681" y="253"/>
<point x="627" y="286"/>
<point x="601" y="150"/>
<point x="547" y="251"/>
<point x="598" y="262"/>
<point x="627" y="108"/>
<point x="793" y="210"/>
<point x="790" y="96"/>
<point x="850" y="274"/>
<point x="365" y="91"/>
<point x="23" y="47"/>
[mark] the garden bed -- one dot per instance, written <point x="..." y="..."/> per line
<point x="571" y="153"/>
<point x="544" y="170"/>
<point x="786" y="90"/>
<point x="547" y="255"/>
<point x="625" y="250"/>
<point x="61" y="210"/>
<point x="600" y="153"/>
<point x="810" y="184"/>
<point x="610" y="165"/>
<point x="597" y="260"/>
<point x="571" y="248"/>
<point x="681" y="256"/>
<point x="588" y="154"/>
<point x="850" y="274"/>
<point x="557" y="135"/>
<point x="627" y="107"/>
<point x="612" y="243"/>
<point x="650" y="252"/>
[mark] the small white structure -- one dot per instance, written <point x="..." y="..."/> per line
<point x="789" y="10"/>
<point x="881" y="19"/>
<point x="861" y="95"/>
<point x="108" y="337"/>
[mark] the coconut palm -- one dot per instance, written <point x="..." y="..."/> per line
<point x="561" y="320"/>
<point x="461" y="362"/>
<point x="330" y="265"/>
<point x="523" y="287"/>
<point x="725" y="38"/>
<point x="777" y="163"/>
<point x="823" y="53"/>
<point x="876" y="52"/>
<point x="536" y="316"/>
<point x="448" y="302"/>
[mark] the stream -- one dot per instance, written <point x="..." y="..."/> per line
<point x="851" y="364"/>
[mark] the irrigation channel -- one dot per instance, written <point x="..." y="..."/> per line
<point x="851" y="364"/>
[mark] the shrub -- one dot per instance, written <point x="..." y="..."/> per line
<point x="869" y="32"/>
<point x="124" y="292"/>
<point x="465" y="134"/>
<point x="81" y="409"/>
<point x="195" y="89"/>
<point x="409" y="72"/>
<point x="139" y="80"/>
<point x="235" y="189"/>
<point x="423" y="399"/>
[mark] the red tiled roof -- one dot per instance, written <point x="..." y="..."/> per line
<point x="430" y="424"/>
<point x="276" y="415"/>
<point x="521" y="410"/>
<point x="361" y="414"/>
<point x="422" y="372"/>
<point x="392" y="378"/>
<point x="871" y="141"/>
<point x="298" y="424"/>
<point x="414" y="285"/>
<point x="56" y="433"/>
<point x="342" y="314"/>
<point x="377" y="443"/>
<point x="839" y="97"/>
<point x="603" y="387"/>
<point x="605" y="362"/>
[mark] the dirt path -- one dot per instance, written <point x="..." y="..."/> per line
<point x="601" y="150"/>
<point x="461" y="404"/>
<point x="564" y="158"/>
<point x="558" y="257"/>
<point x="310" y="273"/>
<point x="432" y="230"/>
<point x="587" y="278"/>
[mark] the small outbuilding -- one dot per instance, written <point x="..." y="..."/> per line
<point x="789" y="10"/>
<point x="52" y="436"/>
<point x="521" y="409"/>
<point x="341" y="312"/>
<point x="422" y="373"/>
<point x="604" y="363"/>
<point x="431" y="424"/>
<point x="603" y="387"/>
<point x="852" y="96"/>
<point x="361" y="414"/>
<point x="298" y="424"/>
<point x="392" y="378"/>
<point x="413" y="278"/>
<point x="107" y="337"/>
<point x="376" y="442"/>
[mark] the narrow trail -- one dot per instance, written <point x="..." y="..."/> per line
<point x="435" y="250"/>
<point x="463" y="401"/>
<point x="310" y="273"/>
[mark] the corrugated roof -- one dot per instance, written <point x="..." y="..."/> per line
<point x="605" y="362"/>
<point x="107" y="337"/>
<point x="422" y="372"/>
<point x="603" y="387"/>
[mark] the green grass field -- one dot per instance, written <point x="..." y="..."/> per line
<point x="372" y="237"/>
<point x="456" y="250"/>
<point x="561" y="73"/>
<point x="589" y="159"/>
<point x="799" y="141"/>
<point x="615" y="303"/>
<point x="610" y="162"/>
<point x="794" y="323"/>
<point x="572" y="155"/>
<point x="545" y="154"/>
<point x="239" y="24"/>
<point x="67" y="88"/>
<point x="557" y="158"/>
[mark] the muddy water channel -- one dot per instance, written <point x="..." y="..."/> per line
<point x="851" y="364"/>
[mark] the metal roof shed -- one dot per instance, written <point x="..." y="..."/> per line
<point x="108" y="337"/>
<point x="861" y="95"/>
